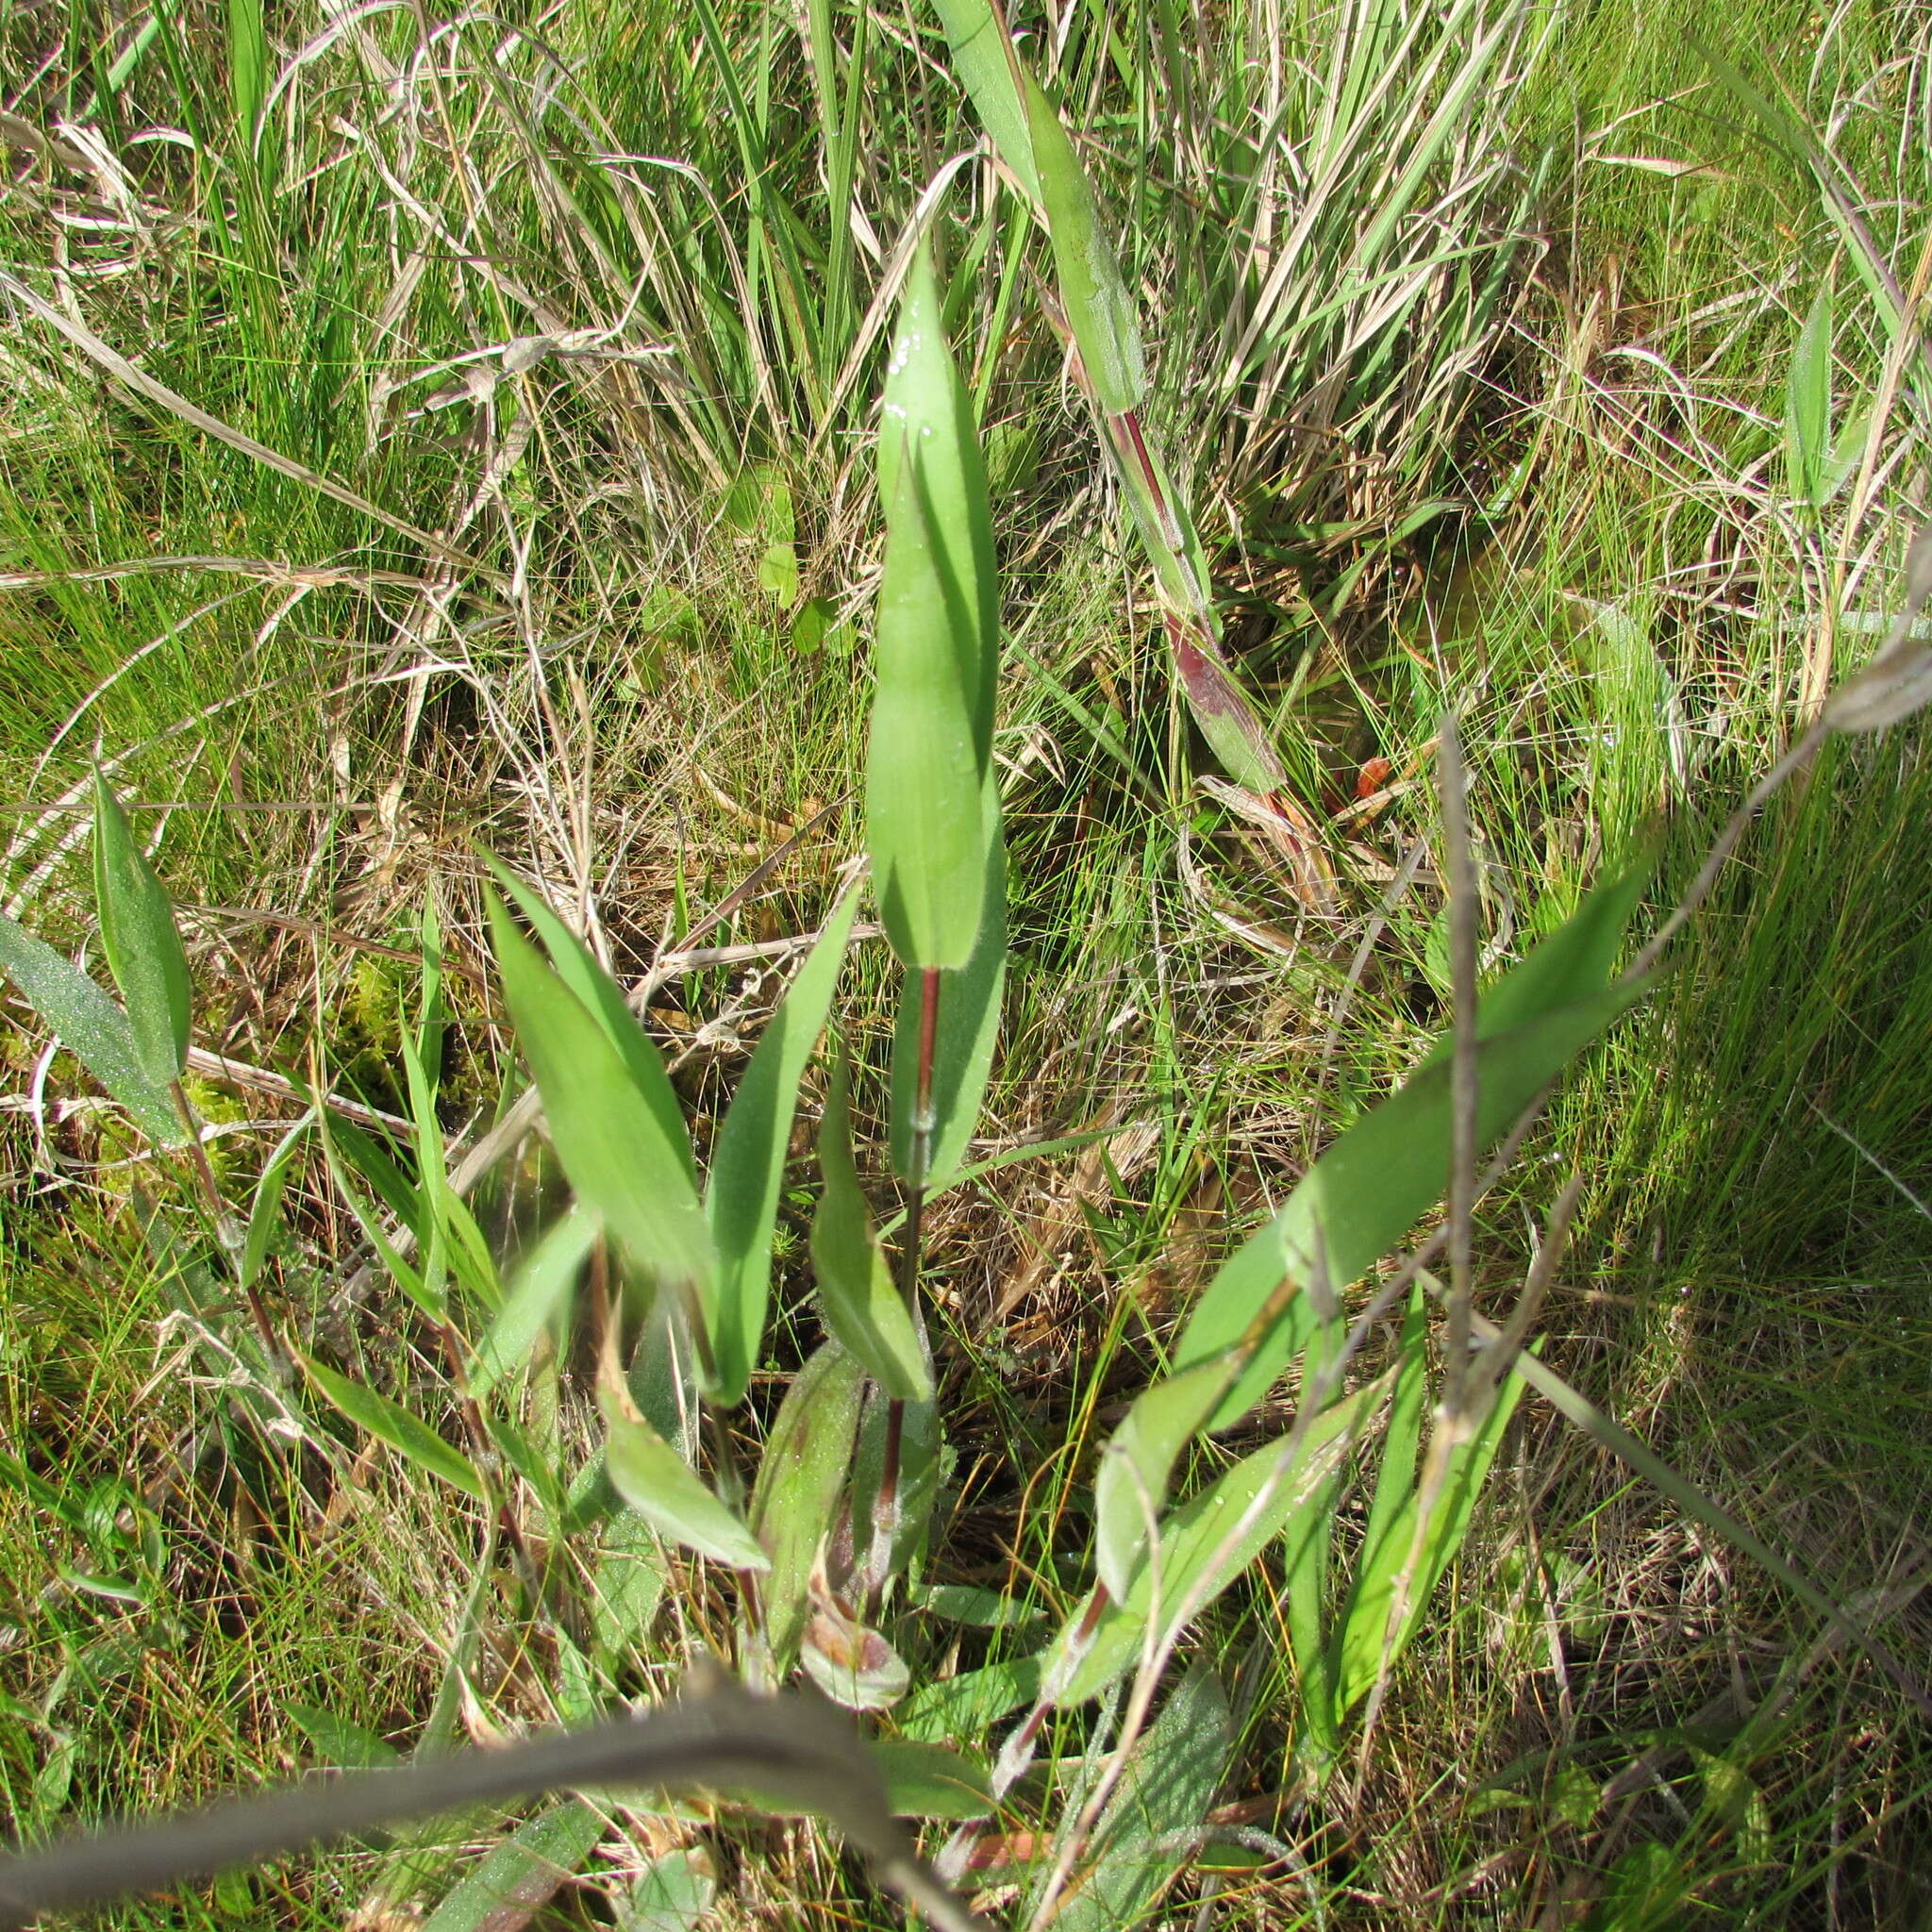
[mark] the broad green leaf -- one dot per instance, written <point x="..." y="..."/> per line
<point x="794" y="1503"/>
<point x="1205" y="1544"/>
<point x="1372" y="1183"/>
<point x="1099" y="309"/>
<point x="607" y="1130"/>
<point x="986" y="70"/>
<point x="928" y="760"/>
<point x="517" y="1879"/>
<point x="663" y="1489"/>
<point x="577" y="967"/>
<point x="674" y="1894"/>
<point x="541" y="1290"/>
<point x="930" y="1781"/>
<point x="92" y="1028"/>
<point x="405" y="1432"/>
<point x="265" y="1210"/>
<point x="1130" y="1487"/>
<point x="983" y="1609"/>
<point x="1807" y="406"/>
<point x="144" y="948"/>
<point x="1171" y="1777"/>
<point x="969" y="1025"/>
<point x="748" y="1160"/>
<point x="862" y="1304"/>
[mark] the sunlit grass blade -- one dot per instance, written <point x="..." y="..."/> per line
<point x="930" y="753"/>
<point x="144" y="948"/>
<point x="406" y="1432"/>
<point x="540" y="1293"/>
<point x="747" y="1168"/>
<point x="607" y="1131"/>
<point x="671" y="1495"/>
<point x="265" y="1208"/>
<point x="979" y="55"/>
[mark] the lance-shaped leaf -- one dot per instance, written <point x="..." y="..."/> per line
<point x="670" y="1494"/>
<point x="144" y="948"/>
<point x="1371" y="1186"/>
<point x="1807" y="406"/>
<point x="861" y="1303"/>
<point x="539" y="1292"/>
<point x="969" y="1025"/>
<point x="1099" y="309"/>
<point x="795" y="1501"/>
<point x="405" y="1431"/>
<point x="748" y="1162"/>
<point x="608" y="1132"/>
<point x="577" y="967"/>
<point x="92" y="1028"/>
<point x="931" y="745"/>
<point x="1205" y="1544"/>
<point x="981" y="59"/>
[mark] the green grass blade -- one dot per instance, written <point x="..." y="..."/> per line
<point x="265" y="1209"/>
<point x="92" y="1028"/>
<point x="663" y="1489"/>
<point x="748" y="1162"/>
<point x="406" y="1432"/>
<point x="985" y="68"/>
<point x="539" y="1295"/>
<point x="1098" y="307"/>
<point x="607" y="1131"/>
<point x="577" y="967"/>
<point x="144" y="948"/>
<point x="861" y="1301"/>
<point x="929" y="756"/>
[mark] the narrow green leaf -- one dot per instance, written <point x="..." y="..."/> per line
<point x="544" y="1283"/>
<point x="795" y="1501"/>
<point x="144" y="948"/>
<point x="969" y="1025"/>
<point x="341" y="1743"/>
<point x="929" y="755"/>
<point x="965" y="1705"/>
<point x="748" y="1162"/>
<point x="1370" y="1186"/>
<point x="405" y="1432"/>
<point x="603" y="998"/>
<point x="1807" y="406"/>
<point x="1206" y="1543"/>
<point x="92" y="1028"/>
<point x="607" y="1131"/>
<point x="1166" y="1791"/>
<point x="986" y="70"/>
<point x="265" y="1209"/>
<point x="663" y="1489"/>
<point x="861" y="1303"/>
<point x="1099" y="309"/>
<point x="1130" y="1488"/>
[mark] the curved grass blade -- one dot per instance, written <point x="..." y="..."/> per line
<point x="748" y="1162"/>
<point x="669" y="1493"/>
<point x="405" y="1431"/>
<point x="142" y="947"/>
